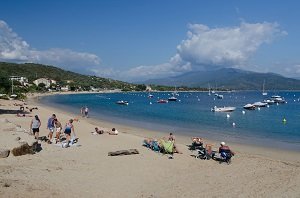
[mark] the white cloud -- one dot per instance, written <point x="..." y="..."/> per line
<point x="222" y="47"/>
<point x="13" y="48"/>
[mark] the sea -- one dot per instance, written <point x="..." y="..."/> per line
<point x="191" y="115"/>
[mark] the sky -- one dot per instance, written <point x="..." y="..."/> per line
<point x="136" y="40"/>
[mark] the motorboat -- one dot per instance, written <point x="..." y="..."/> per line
<point x="150" y="96"/>
<point x="222" y="109"/>
<point x="219" y="96"/>
<point x="278" y="99"/>
<point x="260" y="104"/>
<point x="269" y="101"/>
<point x="173" y="98"/>
<point x="121" y="102"/>
<point x="249" y="107"/>
<point x="162" y="101"/>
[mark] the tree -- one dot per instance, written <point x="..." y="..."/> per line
<point x="5" y="84"/>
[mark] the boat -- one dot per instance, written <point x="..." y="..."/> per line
<point x="222" y="109"/>
<point x="263" y="92"/>
<point x="219" y="96"/>
<point x="209" y="90"/>
<point x="121" y="102"/>
<point x="269" y="101"/>
<point x="173" y="98"/>
<point x="260" y="104"/>
<point x="162" y="101"/>
<point x="278" y="99"/>
<point x="150" y="96"/>
<point x="249" y="107"/>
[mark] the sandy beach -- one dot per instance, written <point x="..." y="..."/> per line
<point x="88" y="171"/>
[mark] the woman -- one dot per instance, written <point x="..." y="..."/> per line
<point x="69" y="128"/>
<point x="35" y="126"/>
<point x="58" y="129"/>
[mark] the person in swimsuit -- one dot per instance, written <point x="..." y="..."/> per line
<point x="69" y="128"/>
<point x="58" y="128"/>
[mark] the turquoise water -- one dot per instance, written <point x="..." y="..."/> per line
<point x="191" y="115"/>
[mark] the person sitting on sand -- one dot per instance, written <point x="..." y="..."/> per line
<point x="35" y="126"/>
<point x="113" y="132"/>
<point x="197" y="142"/>
<point x="225" y="152"/>
<point x="58" y="128"/>
<point x="98" y="131"/>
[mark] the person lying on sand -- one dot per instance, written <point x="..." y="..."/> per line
<point x="23" y="115"/>
<point x="97" y="131"/>
<point x="113" y="132"/>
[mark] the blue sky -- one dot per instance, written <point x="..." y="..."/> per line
<point x="134" y="40"/>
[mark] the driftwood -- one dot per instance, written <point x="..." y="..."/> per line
<point x="4" y="153"/>
<point x="123" y="152"/>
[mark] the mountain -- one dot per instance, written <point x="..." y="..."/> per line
<point x="33" y="71"/>
<point x="230" y="78"/>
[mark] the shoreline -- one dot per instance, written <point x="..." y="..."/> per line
<point x="254" y="171"/>
<point x="248" y="148"/>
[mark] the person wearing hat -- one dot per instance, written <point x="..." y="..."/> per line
<point x="224" y="150"/>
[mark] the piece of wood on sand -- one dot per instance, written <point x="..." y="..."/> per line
<point x="124" y="152"/>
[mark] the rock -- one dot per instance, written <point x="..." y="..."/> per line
<point x="4" y="153"/>
<point x="23" y="150"/>
<point x="17" y="138"/>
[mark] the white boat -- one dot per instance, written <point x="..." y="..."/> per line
<point x="162" y="101"/>
<point x="263" y="92"/>
<point x="222" y="109"/>
<point x="249" y="107"/>
<point x="173" y="98"/>
<point x="150" y="96"/>
<point x="278" y="99"/>
<point x="260" y="104"/>
<point x="121" y="102"/>
<point x="219" y="96"/>
<point x="269" y="101"/>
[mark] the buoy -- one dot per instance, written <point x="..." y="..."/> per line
<point x="228" y="116"/>
<point x="258" y="108"/>
<point x="233" y="124"/>
<point x="284" y="120"/>
<point x="198" y="99"/>
<point x="243" y="112"/>
<point x="150" y="102"/>
<point x="179" y="100"/>
<point x="268" y="106"/>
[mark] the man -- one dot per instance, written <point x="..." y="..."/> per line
<point x="50" y="126"/>
<point x="225" y="153"/>
<point x="86" y="112"/>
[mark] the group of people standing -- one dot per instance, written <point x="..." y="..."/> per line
<point x="53" y="125"/>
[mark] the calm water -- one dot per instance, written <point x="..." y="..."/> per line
<point x="191" y="115"/>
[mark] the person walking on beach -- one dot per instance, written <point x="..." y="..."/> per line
<point x="58" y="128"/>
<point x="50" y="126"/>
<point x="82" y="111"/>
<point x="69" y="128"/>
<point x="86" y="112"/>
<point x="35" y="126"/>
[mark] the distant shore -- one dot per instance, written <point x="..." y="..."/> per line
<point x="254" y="171"/>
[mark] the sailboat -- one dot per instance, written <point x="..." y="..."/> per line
<point x="173" y="98"/>
<point x="209" y="90"/>
<point x="263" y="92"/>
<point x="12" y="89"/>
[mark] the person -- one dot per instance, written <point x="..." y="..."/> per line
<point x="50" y="126"/>
<point x="98" y="131"/>
<point x="58" y="128"/>
<point x="171" y="137"/>
<point x="225" y="152"/>
<point x="69" y="128"/>
<point x="86" y="112"/>
<point x="82" y="111"/>
<point x="35" y="126"/>
<point x="113" y="132"/>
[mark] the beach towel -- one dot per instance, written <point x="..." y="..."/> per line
<point x="167" y="146"/>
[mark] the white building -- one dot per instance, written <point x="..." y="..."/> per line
<point x="21" y="79"/>
<point x="45" y="81"/>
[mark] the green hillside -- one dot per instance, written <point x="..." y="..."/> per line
<point x="33" y="71"/>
